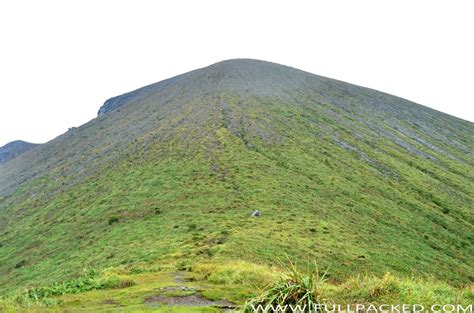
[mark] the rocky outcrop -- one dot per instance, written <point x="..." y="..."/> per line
<point x="133" y="96"/>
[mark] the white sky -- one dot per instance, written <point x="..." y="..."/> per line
<point x="60" y="60"/>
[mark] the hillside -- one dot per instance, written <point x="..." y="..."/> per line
<point x="169" y="174"/>
<point x="13" y="149"/>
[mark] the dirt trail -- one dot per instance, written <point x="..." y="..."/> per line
<point x="190" y="300"/>
<point x="190" y="297"/>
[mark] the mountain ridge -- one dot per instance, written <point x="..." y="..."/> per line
<point x="231" y="65"/>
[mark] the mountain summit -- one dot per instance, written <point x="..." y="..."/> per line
<point x="240" y="76"/>
<point x="170" y="173"/>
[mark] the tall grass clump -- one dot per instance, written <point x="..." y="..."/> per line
<point x="294" y="288"/>
<point x="391" y="288"/>
<point x="90" y="280"/>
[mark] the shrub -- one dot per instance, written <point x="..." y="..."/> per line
<point x="113" y="219"/>
<point x="20" y="264"/>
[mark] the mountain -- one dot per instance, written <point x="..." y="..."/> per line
<point x="169" y="174"/>
<point x="13" y="149"/>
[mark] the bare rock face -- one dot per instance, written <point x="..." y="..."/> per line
<point x="115" y="102"/>
<point x="13" y="149"/>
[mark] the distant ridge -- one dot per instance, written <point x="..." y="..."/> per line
<point x="13" y="149"/>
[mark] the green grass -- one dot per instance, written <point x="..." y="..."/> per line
<point x="244" y="284"/>
<point x="295" y="288"/>
<point x="310" y="289"/>
<point x="186" y="199"/>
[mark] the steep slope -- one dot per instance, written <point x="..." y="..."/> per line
<point x="355" y="178"/>
<point x="13" y="149"/>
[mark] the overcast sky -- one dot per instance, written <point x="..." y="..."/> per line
<point x="60" y="60"/>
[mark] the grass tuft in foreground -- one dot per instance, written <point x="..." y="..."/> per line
<point x="311" y="290"/>
<point x="294" y="288"/>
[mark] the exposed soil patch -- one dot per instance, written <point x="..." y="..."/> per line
<point x="185" y="300"/>
<point x="111" y="302"/>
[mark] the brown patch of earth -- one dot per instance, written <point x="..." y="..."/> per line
<point x="111" y="302"/>
<point x="185" y="300"/>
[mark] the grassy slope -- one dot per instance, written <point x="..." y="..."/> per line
<point x="358" y="180"/>
<point x="188" y="198"/>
